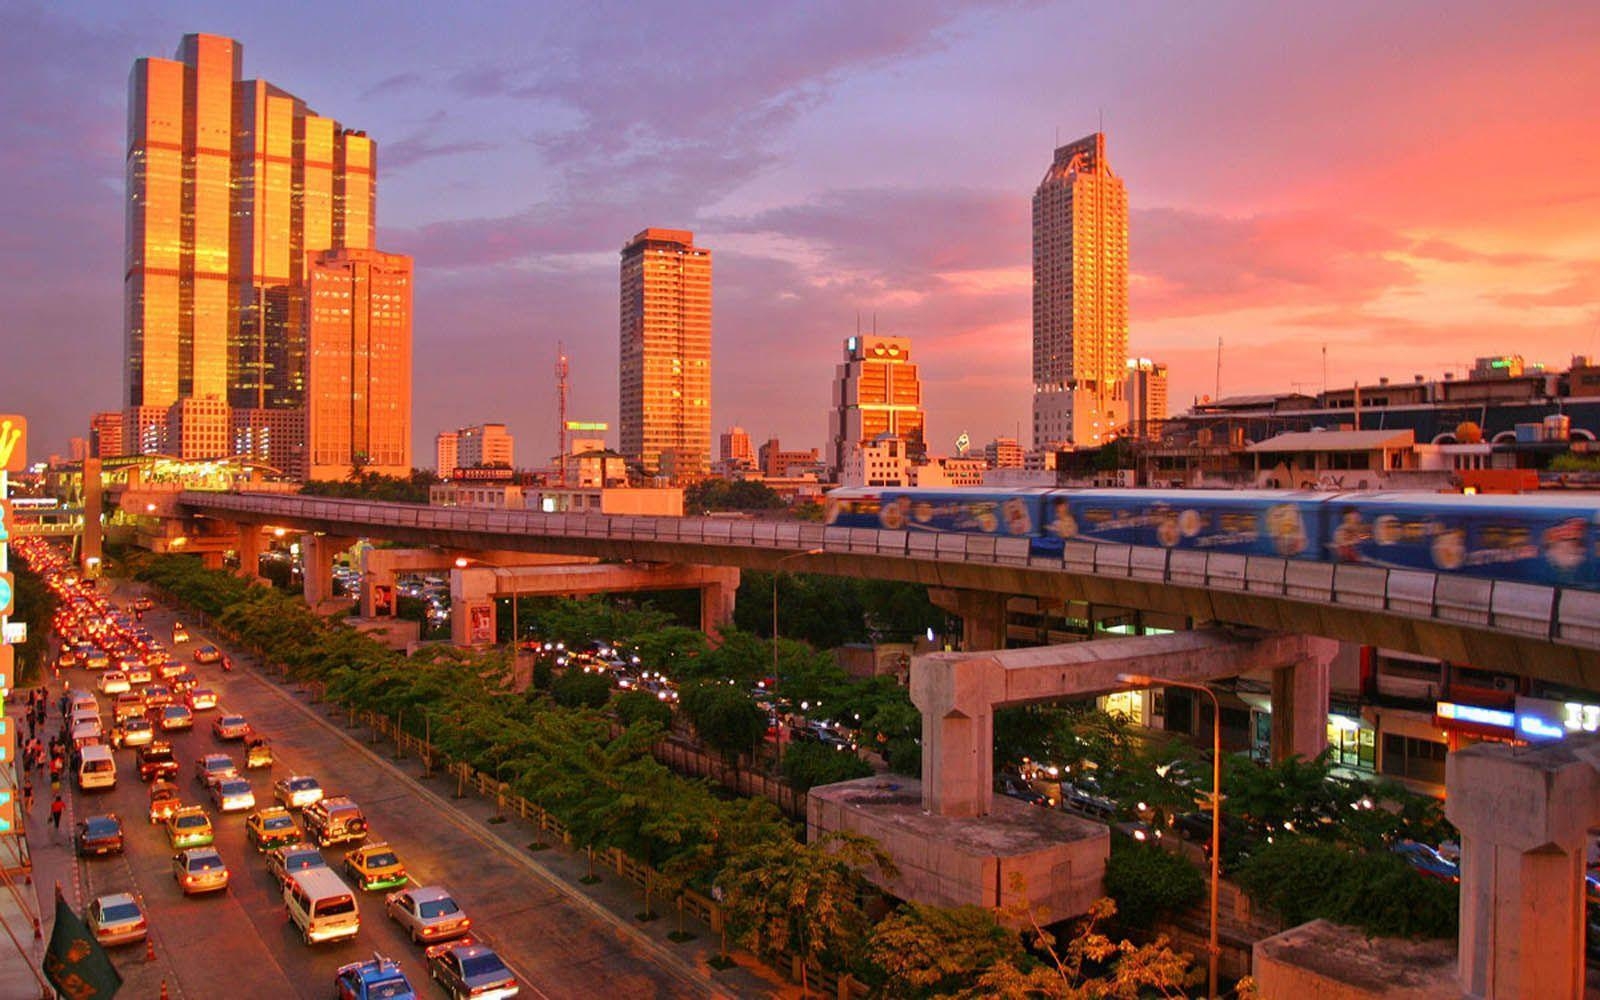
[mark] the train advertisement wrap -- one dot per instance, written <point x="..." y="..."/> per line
<point x="1286" y="529"/>
<point x="1014" y="514"/>
<point x="1534" y="544"/>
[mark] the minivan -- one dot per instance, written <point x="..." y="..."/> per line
<point x="96" y="767"/>
<point x="321" y="905"/>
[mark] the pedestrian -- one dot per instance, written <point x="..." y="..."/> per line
<point x="27" y="795"/>
<point x="57" y="807"/>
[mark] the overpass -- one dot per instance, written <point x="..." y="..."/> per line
<point x="1550" y="633"/>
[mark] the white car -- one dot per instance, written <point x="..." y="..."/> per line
<point x="114" y="682"/>
<point x="233" y="795"/>
<point x="297" y="791"/>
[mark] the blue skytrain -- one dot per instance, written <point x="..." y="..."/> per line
<point x="1552" y="540"/>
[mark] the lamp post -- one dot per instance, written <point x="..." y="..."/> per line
<point x="1146" y="681"/>
<point x="777" y="568"/>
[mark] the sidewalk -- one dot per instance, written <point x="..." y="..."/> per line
<point x="22" y="904"/>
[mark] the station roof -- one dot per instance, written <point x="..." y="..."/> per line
<point x="1336" y="441"/>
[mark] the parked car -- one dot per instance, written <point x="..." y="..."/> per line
<point x="98" y="835"/>
<point x="1427" y="860"/>
<point x="375" y="866"/>
<point x="467" y="968"/>
<point x="427" y="913"/>
<point x="117" y="919"/>
<point x="1018" y="789"/>
<point x="199" y="869"/>
<point x="377" y="978"/>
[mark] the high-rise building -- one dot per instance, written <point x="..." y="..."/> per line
<point x="1147" y="398"/>
<point x="232" y="185"/>
<point x="777" y="463"/>
<point x="1080" y="298"/>
<point x="876" y="391"/>
<point x="735" y="450"/>
<point x="484" y="444"/>
<point x="198" y="428"/>
<point x="446" y="452"/>
<point x="273" y="437"/>
<point x="1003" y="453"/>
<point x="666" y="352"/>
<point x="105" y="434"/>
<point x="358" y="382"/>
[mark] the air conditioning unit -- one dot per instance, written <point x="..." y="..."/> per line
<point x="1507" y="684"/>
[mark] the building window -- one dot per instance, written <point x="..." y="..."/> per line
<point x="1419" y="760"/>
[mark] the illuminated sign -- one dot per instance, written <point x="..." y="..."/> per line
<point x="588" y="425"/>
<point x="484" y="475"/>
<point x="5" y="521"/>
<point x="1477" y="715"/>
<point x="14" y="633"/>
<point x="13" y="443"/>
<point x="8" y="662"/>
<point x="1548" y="719"/>
<point x="7" y="593"/>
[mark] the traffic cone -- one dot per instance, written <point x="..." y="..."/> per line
<point x="149" y="948"/>
<point x="164" y="995"/>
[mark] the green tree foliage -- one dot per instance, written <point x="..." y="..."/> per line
<point x="1149" y="883"/>
<point x="672" y="648"/>
<point x="576" y="689"/>
<point x="934" y="951"/>
<point x="781" y="895"/>
<point x="1302" y="879"/>
<point x="642" y="706"/>
<point x="721" y="494"/>
<point x="830" y="611"/>
<point x="724" y="716"/>
<point x="364" y="485"/>
<point x="35" y="606"/>
<point x="806" y="765"/>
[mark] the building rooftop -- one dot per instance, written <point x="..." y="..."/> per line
<point x="1300" y="441"/>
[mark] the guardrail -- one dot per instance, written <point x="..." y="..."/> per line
<point x="1556" y="614"/>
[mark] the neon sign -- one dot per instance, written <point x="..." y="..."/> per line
<point x="1476" y="715"/>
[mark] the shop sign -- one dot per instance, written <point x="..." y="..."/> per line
<point x="1548" y="719"/>
<point x="1475" y="715"/>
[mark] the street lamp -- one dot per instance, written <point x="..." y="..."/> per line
<point x="776" y="569"/>
<point x="1146" y="681"/>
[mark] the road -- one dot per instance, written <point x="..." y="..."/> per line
<point x="241" y="943"/>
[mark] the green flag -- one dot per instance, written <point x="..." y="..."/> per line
<point x="75" y="963"/>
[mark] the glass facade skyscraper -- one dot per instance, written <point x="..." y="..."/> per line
<point x="666" y="353"/>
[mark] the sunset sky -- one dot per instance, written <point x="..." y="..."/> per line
<point x="1412" y="185"/>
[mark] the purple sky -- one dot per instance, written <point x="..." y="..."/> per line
<point x="1412" y="185"/>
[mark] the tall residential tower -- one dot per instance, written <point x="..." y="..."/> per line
<point x="1080" y="298"/>
<point x="666" y="353"/>
<point x="876" y="391"/>
<point x="232" y="185"/>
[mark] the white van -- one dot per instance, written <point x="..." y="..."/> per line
<point x="82" y="701"/>
<point x="96" y="767"/>
<point x="321" y="905"/>
<point x="87" y="734"/>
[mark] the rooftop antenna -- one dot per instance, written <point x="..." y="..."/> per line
<point x="1219" y="369"/>
<point x="1324" y="366"/>
<point x="874" y="322"/>
<point x="561" y="414"/>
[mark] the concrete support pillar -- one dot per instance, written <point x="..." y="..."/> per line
<point x="1300" y="709"/>
<point x="317" y="553"/>
<point x="472" y="607"/>
<point x="211" y="559"/>
<point x="982" y="614"/>
<point x="957" y="698"/>
<point x="249" y="546"/>
<point x="1523" y="814"/>
<point x="716" y="604"/>
<point x="92" y="553"/>
<point x="377" y="572"/>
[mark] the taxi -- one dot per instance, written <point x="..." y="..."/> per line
<point x="374" y="867"/>
<point x="271" y="827"/>
<point x="189" y="826"/>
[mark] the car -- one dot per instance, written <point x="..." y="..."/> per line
<point x="206" y="654"/>
<point x="164" y="801"/>
<point x="333" y="820"/>
<point x="232" y="794"/>
<point x="200" y="699"/>
<point x="156" y="761"/>
<point x="139" y="673"/>
<point x="142" y="604"/>
<point x="113" y="682"/>
<point x="1427" y="861"/>
<point x="167" y="669"/>
<point x="68" y="657"/>
<point x="213" y="767"/>
<point x="179" y="633"/>
<point x="96" y="659"/>
<point x="230" y="726"/>
<point x="427" y="913"/>
<point x="296" y="791"/>
<point x="199" y="869"/>
<point x="117" y="919"/>
<point x="134" y="731"/>
<point x="175" y="717"/>
<point x="98" y="835"/>
<point x="184" y="681"/>
<point x="1016" y="788"/>
<point x="271" y="827"/>
<point x="290" y="858"/>
<point x="189" y="826"/>
<point x="128" y="704"/>
<point x="467" y="968"/>
<point x="377" y="978"/>
<point x="375" y="866"/>
<point x="157" y="697"/>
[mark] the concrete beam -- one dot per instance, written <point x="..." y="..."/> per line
<point x="982" y="614"/>
<point x="1300" y="705"/>
<point x="317" y="553"/>
<point x="958" y="693"/>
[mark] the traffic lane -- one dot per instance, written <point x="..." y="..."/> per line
<point x="550" y="942"/>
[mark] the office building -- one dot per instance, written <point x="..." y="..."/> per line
<point x="232" y="185"/>
<point x="105" y="434"/>
<point x="484" y="445"/>
<point x="273" y="437"/>
<point x="1147" y="398"/>
<point x="446" y="452"/>
<point x="1080" y="299"/>
<point x="1003" y="453"/>
<point x="876" y="391"/>
<point x="735" y="451"/>
<point x="359" y="373"/>
<point x="666" y="352"/>
<point x="777" y="463"/>
<point x="198" y="428"/>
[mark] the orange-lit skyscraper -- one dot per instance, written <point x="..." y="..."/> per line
<point x="231" y="185"/>
<point x="666" y="353"/>
<point x="876" y="391"/>
<point x="1080" y="298"/>
<point x="358" y="384"/>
